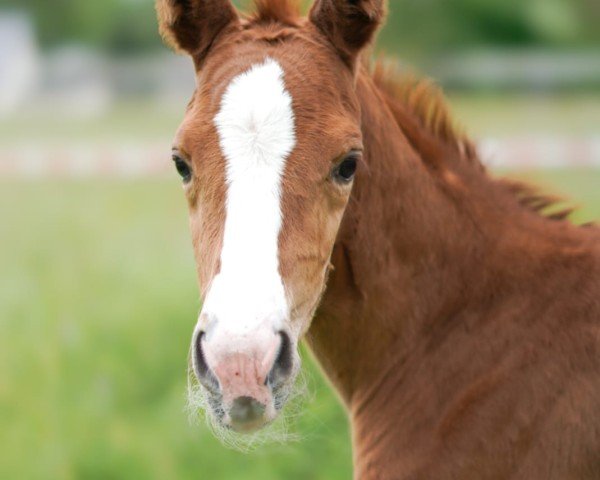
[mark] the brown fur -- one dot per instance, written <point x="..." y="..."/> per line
<point x="460" y="327"/>
<point x="286" y="12"/>
<point x="467" y="326"/>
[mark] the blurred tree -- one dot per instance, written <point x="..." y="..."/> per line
<point x="415" y="27"/>
<point x="118" y="26"/>
<point x="423" y="26"/>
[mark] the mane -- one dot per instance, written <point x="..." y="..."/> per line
<point x="286" y="12"/>
<point x="420" y="108"/>
<point x="426" y="103"/>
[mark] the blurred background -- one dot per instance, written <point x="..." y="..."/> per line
<point x="98" y="295"/>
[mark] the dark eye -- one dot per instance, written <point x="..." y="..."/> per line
<point x="182" y="168"/>
<point x="344" y="172"/>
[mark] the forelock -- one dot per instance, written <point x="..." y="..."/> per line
<point x="286" y="12"/>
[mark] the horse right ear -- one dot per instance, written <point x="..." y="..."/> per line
<point x="349" y="24"/>
<point x="192" y="25"/>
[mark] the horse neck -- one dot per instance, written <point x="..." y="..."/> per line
<point x="405" y="255"/>
<point x="414" y="248"/>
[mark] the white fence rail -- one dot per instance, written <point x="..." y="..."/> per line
<point x="152" y="159"/>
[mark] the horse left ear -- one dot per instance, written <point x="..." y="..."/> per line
<point x="349" y="24"/>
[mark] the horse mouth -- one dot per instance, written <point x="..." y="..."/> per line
<point x="244" y="415"/>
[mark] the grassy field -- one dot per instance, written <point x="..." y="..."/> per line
<point x="97" y="304"/>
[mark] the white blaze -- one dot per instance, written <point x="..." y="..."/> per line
<point x="257" y="134"/>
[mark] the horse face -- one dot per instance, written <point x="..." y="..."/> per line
<point x="268" y="152"/>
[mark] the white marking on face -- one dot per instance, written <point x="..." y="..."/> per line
<point x="257" y="134"/>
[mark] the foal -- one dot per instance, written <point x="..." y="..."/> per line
<point x="459" y="325"/>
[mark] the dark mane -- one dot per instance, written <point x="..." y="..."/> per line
<point x="421" y="110"/>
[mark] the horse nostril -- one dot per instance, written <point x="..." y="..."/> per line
<point x="201" y="368"/>
<point x="282" y="368"/>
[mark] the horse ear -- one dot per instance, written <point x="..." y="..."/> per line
<point x="192" y="25"/>
<point x="349" y="24"/>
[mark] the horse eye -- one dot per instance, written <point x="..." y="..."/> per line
<point x="182" y="168"/>
<point x="344" y="172"/>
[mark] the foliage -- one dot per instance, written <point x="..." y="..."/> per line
<point x="418" y="26"/>
<point x="118" y="26"/>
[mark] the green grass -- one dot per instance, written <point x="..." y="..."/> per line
<point x="98" y="300"/>
<point x="97" y="304"/>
